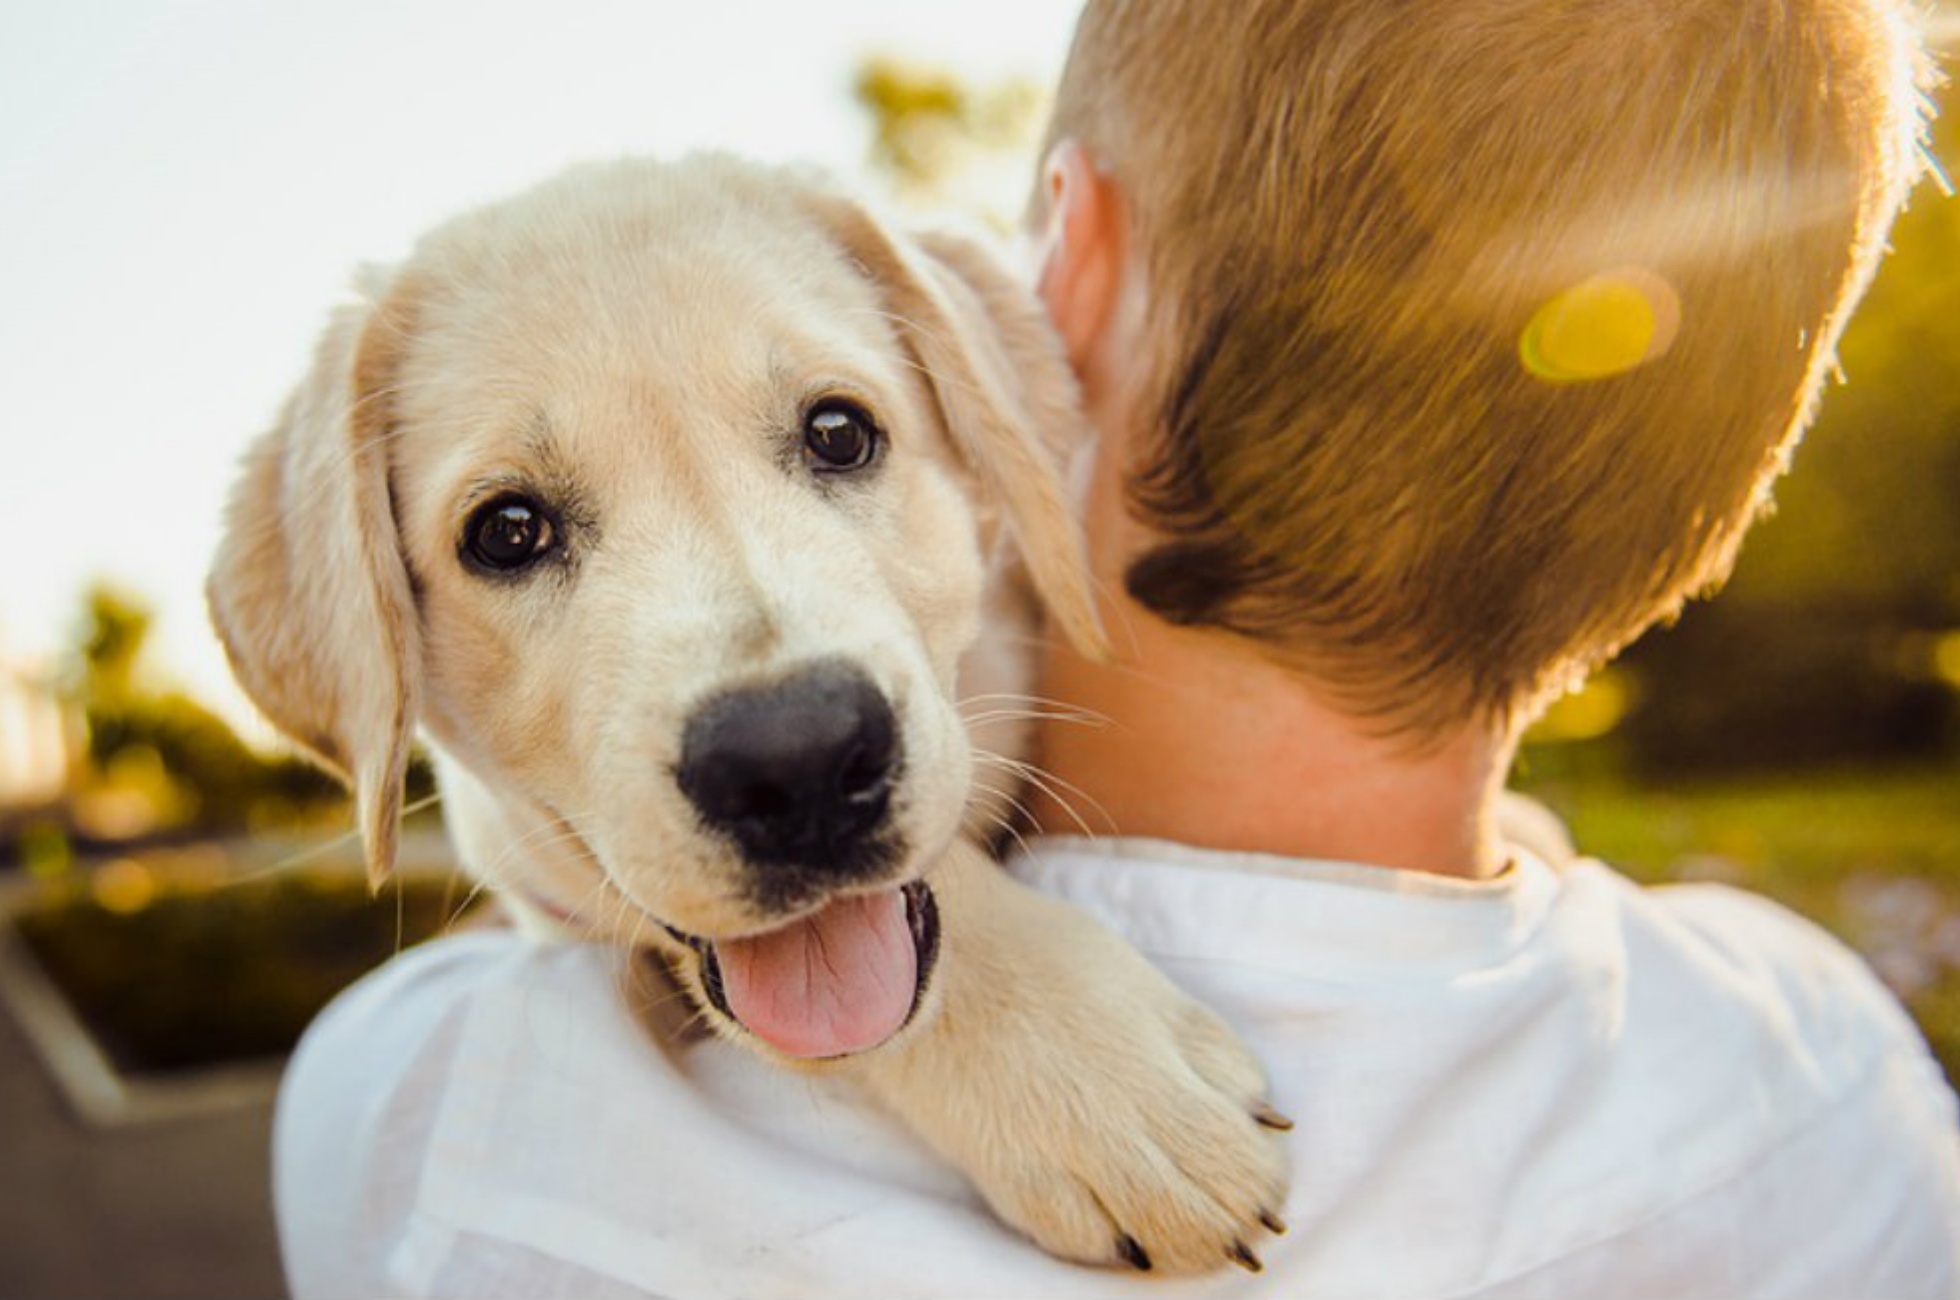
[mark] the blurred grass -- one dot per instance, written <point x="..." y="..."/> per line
<point x="1871" y="855"/>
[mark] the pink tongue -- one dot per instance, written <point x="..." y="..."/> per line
<point x="837" y="982"/>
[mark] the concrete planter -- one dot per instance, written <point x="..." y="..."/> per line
<point x="93" y="1087"/>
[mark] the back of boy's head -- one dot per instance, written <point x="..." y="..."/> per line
<point x="1479" y="329"/>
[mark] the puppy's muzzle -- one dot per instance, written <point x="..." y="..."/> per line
<point x="799" y="774"/>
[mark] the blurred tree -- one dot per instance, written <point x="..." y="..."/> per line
<point x="115" y="628"/>
<point x="943" y="143"/>
<point x="157" y="762"/>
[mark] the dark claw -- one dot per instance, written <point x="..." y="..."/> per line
<point x="1265" y="1114"/>
<point x="1274" y="1224"/>
<point x="1132" y="1253"/>
<point x="1242" y="1256"/>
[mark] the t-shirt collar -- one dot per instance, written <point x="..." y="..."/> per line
<point x="1304" y="916"/>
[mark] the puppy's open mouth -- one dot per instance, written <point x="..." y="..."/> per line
<point x="841" y="980"/>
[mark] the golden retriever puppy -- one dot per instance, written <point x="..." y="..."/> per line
<point x="669" y="502"/>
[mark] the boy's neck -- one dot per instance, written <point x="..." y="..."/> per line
<point x="1198" y="739"/>
<point x="1195" y="739"/>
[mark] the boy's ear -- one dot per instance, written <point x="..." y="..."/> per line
<point x="1080" y="248"/>
<point x="309" y="593"/>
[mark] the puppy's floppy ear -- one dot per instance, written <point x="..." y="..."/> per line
<point x="309" y="592"/>
<point x="1004" y="389"/>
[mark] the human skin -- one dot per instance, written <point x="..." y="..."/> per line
<point x="1195" y="737"/>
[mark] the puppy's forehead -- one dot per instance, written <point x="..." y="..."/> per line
<point x="700" y="291"/>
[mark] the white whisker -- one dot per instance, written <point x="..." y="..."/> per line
<point x="1052" y="786"/>
<point x="1006" y="825"/>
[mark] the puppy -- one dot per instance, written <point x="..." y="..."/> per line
<point x="668" y="503"/>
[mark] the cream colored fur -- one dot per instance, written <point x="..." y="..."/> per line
<point x="640" y="339"/>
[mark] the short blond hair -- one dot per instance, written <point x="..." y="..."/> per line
<point x="1361" y="221"/>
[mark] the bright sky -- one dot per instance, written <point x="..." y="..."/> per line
<point x="185" y="186"/>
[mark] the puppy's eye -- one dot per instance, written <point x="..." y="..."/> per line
<point x="839" y="436"/>
<point x="508" y="534"/>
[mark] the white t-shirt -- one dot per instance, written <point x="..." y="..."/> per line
<point x="1554" y="1084"/>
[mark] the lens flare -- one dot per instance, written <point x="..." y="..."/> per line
<point x="1602" y="326"/>
<point x="124" y="886"/>
<point x="1946" y="659"/>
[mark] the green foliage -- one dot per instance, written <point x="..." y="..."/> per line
<point x="1868" y="518"/>
<point x="199" y="976"/>
<point x="172" y="957"/>
<point x="156" y="761"/>
<point x="115" y="627"/>
<point x="932" y="133"/>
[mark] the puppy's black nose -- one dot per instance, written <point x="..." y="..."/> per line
<point x="798" y="772"/>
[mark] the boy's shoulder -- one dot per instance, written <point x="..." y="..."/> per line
<point x="1741" y="944"/>
<point x="1752" y="1105"/>
<point x="1747" y="1014"/>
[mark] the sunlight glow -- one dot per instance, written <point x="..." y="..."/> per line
<point x="1943" y="29"/>
<point x="1946" y="659"/>
<point x="1588" y="713"/>
<point x="1602" y="326"/>
<point x="123" y="886"/>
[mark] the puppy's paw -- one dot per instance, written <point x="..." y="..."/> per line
<point x="1151" y="1148"/>
<point x="1095" y="1106"/>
